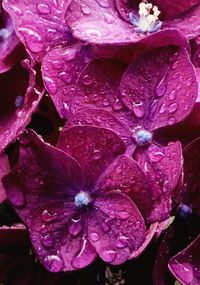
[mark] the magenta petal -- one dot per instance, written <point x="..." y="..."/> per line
<point x="20" y="99"/>
<point x="188" y="23"/>
<point x="156" y="90"/>
<point x="40" y="26"/>
<point x="61" y="69"/>
<point x="191" y="177"/>
<point x="148" y="237"/>
<point x="98" y="84"/>
<point x="185" y="266"/>
<point x="163" y="166"/>
<point x="172" y="8"/>
<point x="101" y="118"/>
<point x="115" y="227"/>
<point x="42" y="172"/>
<point x="10" y="48"/>
<point x="94" y="148"/>
<point x="126" y="176"/>
<point x="4" y="169"/>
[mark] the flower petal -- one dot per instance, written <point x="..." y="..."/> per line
<point x="101" y="118"/>
<point x="126" y="176"/>
<point x="40" y="26"/>
<point x="94" y="148"/>
<point x="172" y="8"/>
<point x="61" y="69"/>
<point x="156" y="90"/>
<point x="188" y="23"/>
<point x="4" y="169"/>
<point x="191" y="177"/>
<point x="115" y="227"/>
<point x="11" y="50"/>
<point x="185" y="266"/>
<point x="163" y="167"/>
<point x="20" y="98"/>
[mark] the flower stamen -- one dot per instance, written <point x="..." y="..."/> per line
<point x="147" y="21"/>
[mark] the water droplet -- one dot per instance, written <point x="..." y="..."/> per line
<point x="19" y="101"/>
<point x="96" y="154"/>
<point x="87" y="79"/>
<point x="43" y="9"/>
<point x="173" y="107"/>
<point x="156" y="156"/>
<point x="75" y="228"/>
<point x="108" y="255"/>
<point x="47" y="240"/>
<point x="17" y="10"/>
<point x="172" y="95"/>
<point x="189" y="82"/>
<point x="65" y="77"/>
<point x="161" y="88"/>
<point x="94" y="237"/>
<point x="162" y="108"/>
<point x="48" y="217"/>
<point x="138" y="109"/>
<point x="57" y="64"/>
<point x="54" y="263"/>
<point x="93" y="32"/>
<point x="175" y="75"/>
<point x="106" y="226"/>
<point x="117" y="105"/>
<point x="123" y="214"/>
<point x="69" y="54"/>
<point x="108" y="18"/>
<point x="104" y="3"/>
<point x="136" y="225"/>
<point x="121" y="242"/>
<point x="50" y="85"/>
<point x="175" y="64"/>
<point x="106" y="102"/>
<point x="172" y="121"/>
<point x="85" y="9"/>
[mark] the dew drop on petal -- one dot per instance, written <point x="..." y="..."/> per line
<point x="108" y="255"/>
<point x="48" y="217"/>
<point x="43" y="9"/>
<point x="96" y="154"/>
<point x="156" y="156"/>
<point x="94" y="237"/>
<point x="54" y="263"/>
<point x="48" y="240"/>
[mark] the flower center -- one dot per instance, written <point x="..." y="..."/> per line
<point x="143" y="137"/>
<point x="82" y="199"/>
<point x="147" y="21"/>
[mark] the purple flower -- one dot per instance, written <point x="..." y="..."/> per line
<point x="185" y="266"/>
<point x="11" y="51"/>
<point x="136" y="103"/>
<point x="20" y="95"/>
<point x="123" y="22"/>
<point x="183" y="261"/>
<point x="85" y="201"/>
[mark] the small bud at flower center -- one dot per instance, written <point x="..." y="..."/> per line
<point x="82" y="199"/>
<point x="143" y="137"/>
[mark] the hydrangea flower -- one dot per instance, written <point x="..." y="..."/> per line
<point x="183" y="261"/>
<point x="123" y="22"/>
<point x="11" y="50"/>
<point x="151" y="94"/>
<point x="74" y="203"/>
<point x="20" y="99"/>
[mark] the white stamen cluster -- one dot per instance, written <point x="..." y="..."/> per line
<point x="148" y="16"/>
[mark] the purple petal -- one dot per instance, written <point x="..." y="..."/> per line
<point x="115" y="227"/>
<point x="40" y="26"/>
<point x="172" y="8"/>
<point x="10" y="49"/>
<point x="191" y="177"/>
<point x="125" y="175"/>
<point x="188" y="23"/>
<point x="156" y="90"/>
<point x="39" y="188"/>
<point x="61" y="69"/>
<point x="125" y="7"/>
<point x="101" y="118"/>
<point x="94" y="148"/>
<point x="20" y="96"/>
<point x="98" y="84"/>
<point x="185" y="266"/>
<point x="148" y="237"/>
<point x="163" y="166"/>
<point x="4" y="169"/>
